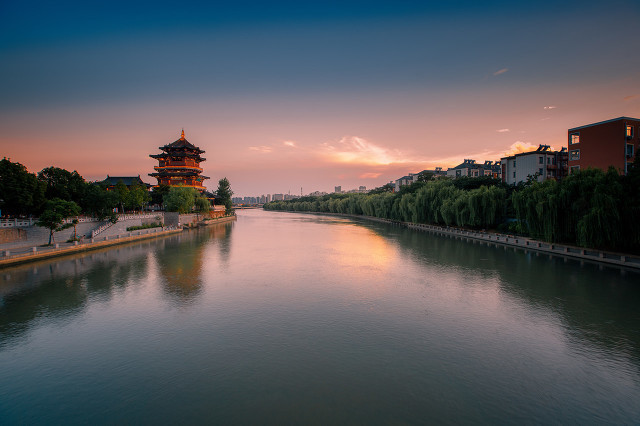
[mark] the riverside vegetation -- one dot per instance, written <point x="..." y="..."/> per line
<point x="55" y="194"/>
<point x="589" y="208"/>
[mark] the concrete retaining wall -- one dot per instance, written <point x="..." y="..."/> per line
<point x="12" y="235"/>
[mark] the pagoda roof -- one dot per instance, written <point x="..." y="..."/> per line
<point x="181" y="144"/>
<point x="127" y="180"/>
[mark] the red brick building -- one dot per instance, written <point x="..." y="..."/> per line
<point x="607" y="143"/>
<point x="179" y="165"/>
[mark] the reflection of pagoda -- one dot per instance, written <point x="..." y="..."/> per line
<point x="179" y="164"/>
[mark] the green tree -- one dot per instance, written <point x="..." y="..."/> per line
<point x="138" y="196"/>
<point x="180" y="199"/>
<point x="158" y="193"/>
<point x="21" y="193"/>
<point x="425" y="176"/>
<point x="99" y="202"/>
<point x="122" y="192"/>
<point x="54" y="214"/>
<point x="224" y="194"/>
<point x="389" y="187"/>
<point x="202" y="205"/>
<point x="63" y="184"/>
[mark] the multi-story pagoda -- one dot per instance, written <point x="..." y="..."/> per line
<point x="179" y="165"/>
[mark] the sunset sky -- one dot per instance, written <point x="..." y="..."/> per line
<point x="284" y="95"/>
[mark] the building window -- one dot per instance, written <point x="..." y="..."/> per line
<point x="629" y="132"/>
<point x="575" y="138"/>
<point x="574" y="155"/>
<point x="540" y="172"/>
<point x="575" y="168"/>
<point x="540" y="160"/>
<point x="514" y="163"/>
<point x="514" y="175"/>
<point x="629" y="150"/>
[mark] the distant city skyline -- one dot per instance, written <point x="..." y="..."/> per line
<point x="314" y="95"/>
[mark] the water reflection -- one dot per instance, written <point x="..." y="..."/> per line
<point x="62" y="288"/>
<point x="597" y="304"/>
<point x="318" y="319"/>
<point x="180" y="261"/>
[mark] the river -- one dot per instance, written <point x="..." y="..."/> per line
<point x="294" y="318"/>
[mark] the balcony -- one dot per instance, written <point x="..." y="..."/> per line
<point x="175" y="167"/>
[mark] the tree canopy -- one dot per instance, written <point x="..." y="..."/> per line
<point x="180" y="199"/>
<point x="21" y="193"/>
<point x="54" y="214"/>
<point x="224" y="194"/>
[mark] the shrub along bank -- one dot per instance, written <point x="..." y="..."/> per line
<point x="590" y="208"/>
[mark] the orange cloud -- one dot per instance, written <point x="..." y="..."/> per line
<point x="501" y="71"/>
<point x="370" y="175"/>
<point x="519" y="147"/>
<point x="262" y="148"/>
<point x="356" y="150"/>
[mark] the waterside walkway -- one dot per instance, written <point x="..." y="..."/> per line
<point x="30" y="254"/>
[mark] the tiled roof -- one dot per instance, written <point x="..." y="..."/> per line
<point x="127" y="180"/>
<point x="181" y="143"/>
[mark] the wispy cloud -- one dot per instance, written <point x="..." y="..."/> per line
<point x="628" y="98"/>
<point x="262" y="148"/>
<point x="370" y="175"/>
<point x="503" y="130"/>
<point x="550" y="107"/>
<point x="356" y="150"/>
<point x="291" y="144"/>
<point x="501" y="71"/>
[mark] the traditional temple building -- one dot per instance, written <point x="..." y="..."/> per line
<point x="111" y="181"/>
<point x="179" y="164"/>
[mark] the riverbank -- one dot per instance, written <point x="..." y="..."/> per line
<point x="33" y="254"/>
<point x="16" y="256"/>
<point x="512" y="241"/>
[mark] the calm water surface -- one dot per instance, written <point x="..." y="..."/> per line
<point x="290" y="318"/>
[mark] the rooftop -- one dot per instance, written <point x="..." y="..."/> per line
<point x="181" y="143"/>
<point x="604" y="122"/>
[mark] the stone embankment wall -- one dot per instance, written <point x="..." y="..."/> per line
<point x="12" y="235"/>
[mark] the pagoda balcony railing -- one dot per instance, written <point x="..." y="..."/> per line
<point x="177" y="167"/>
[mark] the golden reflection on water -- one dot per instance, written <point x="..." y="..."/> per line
<point x="361" y="257"/>
<point x="360" y="250"/>
<point x="180" y="262"/>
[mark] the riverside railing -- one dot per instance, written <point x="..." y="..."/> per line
<point x="86" y="243"/>
<point x="25" y="222"/>
<point x="529" y="244"/>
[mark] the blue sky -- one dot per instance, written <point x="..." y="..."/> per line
<point x="276" y="89"/>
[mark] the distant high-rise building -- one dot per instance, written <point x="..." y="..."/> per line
<point x="338" y="189"/>
<point x="278" y="197"/>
